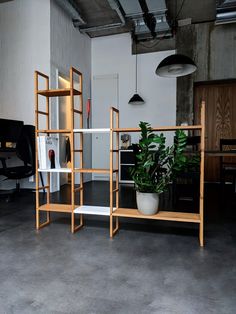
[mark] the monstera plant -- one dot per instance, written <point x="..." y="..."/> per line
<point x="156" y="166"/>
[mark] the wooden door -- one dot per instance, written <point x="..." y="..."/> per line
<point x="220" y="119"/>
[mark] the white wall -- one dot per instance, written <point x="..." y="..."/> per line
<point x="70" y="48"/>
<point x="112" y="54"/>
<point x="38" y="35"/>
<point x="24" y="47"/>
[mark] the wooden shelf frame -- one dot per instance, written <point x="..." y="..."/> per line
<point x="162" y="215"/>
<point x="48" y="93"/>
<point x="114" y="130"/>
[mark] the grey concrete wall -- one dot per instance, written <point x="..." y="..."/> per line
<point x="213" y="48"/>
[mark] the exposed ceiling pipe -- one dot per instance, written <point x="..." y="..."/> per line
<point x="114" y="4"/>
<point x="225" y="12"/>
<point x="72" y="9"/>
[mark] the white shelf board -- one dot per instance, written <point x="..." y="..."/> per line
<point x="93" y="210"/>
<point x="55" y="170"/>
<point x="104" y="130"/>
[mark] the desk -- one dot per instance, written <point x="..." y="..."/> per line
<point x="225" y="153"/>
<point x="220" y="153"/>
<point x="6" y="152"/>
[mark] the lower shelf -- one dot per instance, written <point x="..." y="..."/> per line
<point x="93" y="210"/>
<point x="120" y="212"/>
<point x="63" y="208"/>
<point x="161" y="215"/>
<point x="85" y="209"/>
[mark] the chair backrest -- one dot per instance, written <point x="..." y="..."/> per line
<point x="25" y="146"/>
<point x="10" y="130"/>
<point x="193" y="141"/>
<point x="227" y="143"/>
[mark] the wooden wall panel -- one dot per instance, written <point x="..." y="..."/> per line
<point x="220" y="120"/>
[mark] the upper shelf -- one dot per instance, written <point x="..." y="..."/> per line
<point x="162" y="128"/>
<point x="57" y="92"/>
<point x="104" y="130"/>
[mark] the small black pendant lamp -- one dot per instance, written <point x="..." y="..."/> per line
<point x="175" y="66"/>
<point x="136" y="99"/>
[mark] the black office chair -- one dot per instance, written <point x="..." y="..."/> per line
<point x="25" y="151"/>
<point x="186" y="184"/>
<point x="227" y="168"/>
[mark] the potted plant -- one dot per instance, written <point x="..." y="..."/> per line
<point x="156" y="165"/>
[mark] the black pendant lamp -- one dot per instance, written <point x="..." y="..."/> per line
<point x="175" y="66"/>
<point x="136" y="99"/>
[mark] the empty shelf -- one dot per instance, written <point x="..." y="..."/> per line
<point x="63" y="208"/>
<point x="55" y="170"/>
<point x="161" y="215"/>
<point x="53" y="131"/>
<point x="105" y="130"/>
<point x="93" y="210"/>
<point x="83" y="170"/>
<point x="57" y="92"/>
<point x="161" y="128"/>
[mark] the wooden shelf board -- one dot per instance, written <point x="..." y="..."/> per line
<point x="67" y="170"/>
<point x="104" y="130"/>
<point x="164" y="128"/>
<point x="58" y="92"/>
<point x="93" y="210"/>
<point x="63" y="208"/>
<point x="53" y="131"/>
<point x="161" y="215"/>
<point x="83" y="170"/>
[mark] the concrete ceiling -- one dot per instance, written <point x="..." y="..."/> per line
<point x="99" y="12"/>
<point x="155" y="25"/>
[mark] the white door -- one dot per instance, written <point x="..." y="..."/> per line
<point x="104" y="95"/>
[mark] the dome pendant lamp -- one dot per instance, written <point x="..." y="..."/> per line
<point x="175" y="66"/>
<point x="136" y="99"/>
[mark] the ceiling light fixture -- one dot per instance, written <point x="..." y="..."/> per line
<point x="136" y="99"/>
<point x="175" y="66"/>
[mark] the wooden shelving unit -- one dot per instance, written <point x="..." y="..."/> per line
<point x="48" y="93"/>
<point x="197" y="218"/>
<point x="76" y="153"/>
<point x="113" y="212"/>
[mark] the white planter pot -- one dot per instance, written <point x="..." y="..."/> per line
<point x="147" y="203"/>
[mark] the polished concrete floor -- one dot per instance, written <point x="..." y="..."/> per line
<point x="149" y="267"/>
